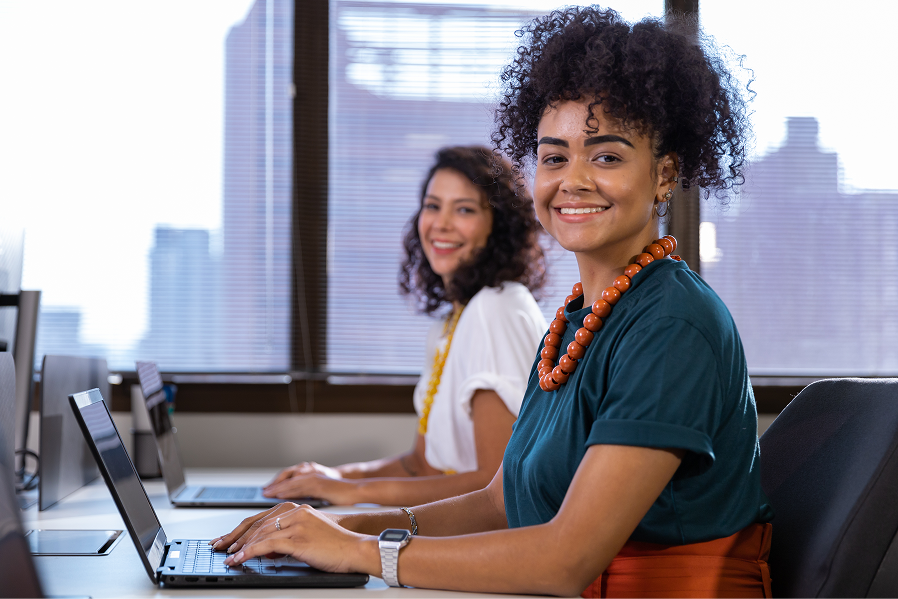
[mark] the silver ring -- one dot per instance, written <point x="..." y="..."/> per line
<point x="277" y="523"/>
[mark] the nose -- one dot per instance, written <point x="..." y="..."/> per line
<point x="576" y="179"/>
<point x="444" y="218"/>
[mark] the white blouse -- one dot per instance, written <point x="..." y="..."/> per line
<point x="493" y="348"/>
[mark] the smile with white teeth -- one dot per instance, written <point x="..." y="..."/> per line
<point x="445" y="245"/>
<point x="591" y="210"/>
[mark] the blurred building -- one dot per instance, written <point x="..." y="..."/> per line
<point x="256" y="282"/>
<point x="184" y="324"/>
<point x="806" y="268"/>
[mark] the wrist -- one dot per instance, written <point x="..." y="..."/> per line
<point x="367" y="558"/>
<point x="350" y="471"/>
<point x="390" y="542"/>
<point x="361" y="492"/>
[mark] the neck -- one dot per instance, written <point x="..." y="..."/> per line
<point x="599" y="269"/>
<point x="595" y="278"/>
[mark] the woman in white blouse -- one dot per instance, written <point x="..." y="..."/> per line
<point x="471" y="256"/>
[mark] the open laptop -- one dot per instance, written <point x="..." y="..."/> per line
<point x="180" y="562"/>
<point x="179" y="492"/>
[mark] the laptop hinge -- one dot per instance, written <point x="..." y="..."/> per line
<point x="161" y="569"/>
<point x="179" y="491"/>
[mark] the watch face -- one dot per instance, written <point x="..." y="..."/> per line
<point x="394" y="535"/>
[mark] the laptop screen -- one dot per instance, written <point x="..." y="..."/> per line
<point x="166" y="442"/>
<point x="127" y="490"/>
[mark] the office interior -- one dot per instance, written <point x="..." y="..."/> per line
<point x="256" y="259"/>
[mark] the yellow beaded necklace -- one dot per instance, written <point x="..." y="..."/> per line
<point x="439" y="360"/>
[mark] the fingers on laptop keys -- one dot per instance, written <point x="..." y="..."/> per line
<point x="237" y="537"/>
<point x="288" y="473"/>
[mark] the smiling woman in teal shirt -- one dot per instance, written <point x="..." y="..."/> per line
<point x="666" y="370"/>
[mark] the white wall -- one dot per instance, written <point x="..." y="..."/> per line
<point x="277" y="440"/>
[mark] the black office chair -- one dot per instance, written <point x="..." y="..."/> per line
<point x="829" y="464"/>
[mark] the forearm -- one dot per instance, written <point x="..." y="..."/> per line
<point x="420" y="490"/>
<point x="470" y="513"/>
<point x="401" y="466"/>
<point x="529" y="560"/>
<point x="391" y="467"/>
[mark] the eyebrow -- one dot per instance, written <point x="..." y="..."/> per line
<point x="455" y="201"/>
<point x="589" y="142"/>
<point x="607" y="138"/>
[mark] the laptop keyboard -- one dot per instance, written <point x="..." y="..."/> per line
<point x="200" y="559"/>
<point x="228" y="493"/>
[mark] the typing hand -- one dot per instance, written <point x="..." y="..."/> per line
<point x="305" y="534"/>
<point x="234" y="540"/>
<point x="337" y="492"/>
<point x="305" y="468"/>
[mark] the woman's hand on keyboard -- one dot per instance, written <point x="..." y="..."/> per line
<point x="335" y="491"/>
<point x="304" y="533"/>
<point x="302" y="469"/>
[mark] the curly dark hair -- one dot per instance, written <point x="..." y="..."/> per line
<point x="650" y="77"/>
<point x="512" y="251"/>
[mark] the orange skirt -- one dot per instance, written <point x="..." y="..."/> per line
<point x="735" y="566"/>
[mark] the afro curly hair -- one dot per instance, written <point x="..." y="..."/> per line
<point x="650" y="77"/>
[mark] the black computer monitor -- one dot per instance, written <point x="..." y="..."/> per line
<point x="7" y="410"/>
<point x="66" y="461"/>
<point x="18" y="577"/>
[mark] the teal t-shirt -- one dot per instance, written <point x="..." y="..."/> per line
<point x="667" y="370"/>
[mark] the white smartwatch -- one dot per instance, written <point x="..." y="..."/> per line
<point x="390" y="542"/>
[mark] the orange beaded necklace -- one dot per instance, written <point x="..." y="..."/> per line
<point x="551" y="377"/>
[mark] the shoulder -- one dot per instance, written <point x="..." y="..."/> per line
<point x="510" y="302"/>
<point x="672" y="290"/>
<point x="509" y="311"/>
<point x="673" y="304"/>
<point x="510" y="291"/>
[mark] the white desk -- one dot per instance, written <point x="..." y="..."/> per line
<point x="121" y="573"/>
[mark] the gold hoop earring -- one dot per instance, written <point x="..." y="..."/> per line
<point x="656" y="212"/>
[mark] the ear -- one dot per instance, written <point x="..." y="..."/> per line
<point x="668" y="167"/>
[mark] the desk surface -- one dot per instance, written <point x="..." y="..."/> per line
<point x="121" y="573"/>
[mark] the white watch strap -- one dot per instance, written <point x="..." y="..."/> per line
<point x="389" y="563"/>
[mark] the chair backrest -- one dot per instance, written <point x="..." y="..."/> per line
<point x="829" y="465"/>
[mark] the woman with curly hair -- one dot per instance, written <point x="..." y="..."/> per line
<point x="633" y="466"/>
<point x="472" y="252"/>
